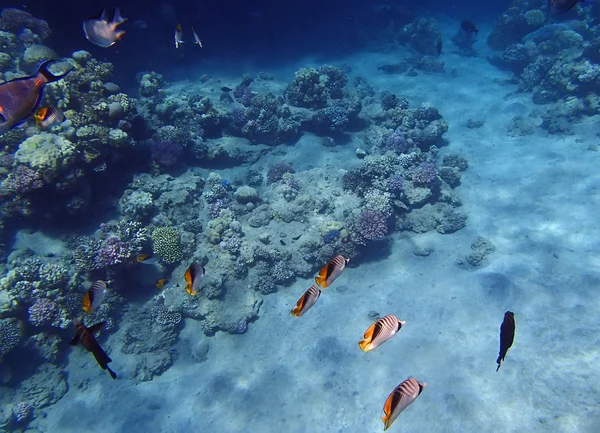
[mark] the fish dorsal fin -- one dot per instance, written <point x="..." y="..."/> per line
<point x="94" y="329"/>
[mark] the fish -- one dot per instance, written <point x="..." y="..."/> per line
<point x="161" y="283"/>
<point x="562" y="6"/>
<point x="192" y="276"/>
<point x="19" y="98"/>
<point x="196" y="38"/>
<point x="282" y="242"/>
<point x="329" y="273"/>
<point x="438" y="45"/>
<point x="306" y="301"/>
<point x="379" y="332"/>
<point x="103" y="32"/>
<point x="94" y="296"/>
<point x="85" y="336"/>
<point x="507" y="336"/>
<point x="400" y="398"/>
<point x="48" y="116"/>
<point x="146" y="259"/>
<point x="468" y="26"/>
<point x="178" y="36"/>
<point x="225" y="89"/>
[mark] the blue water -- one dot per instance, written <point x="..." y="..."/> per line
<point x="456" y="170"/>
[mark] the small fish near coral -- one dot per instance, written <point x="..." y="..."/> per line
<point x="146" y="259"/>
<point x="94" y="296"/>
<point x="468" y="26"/>
<point x="102" y="31"/>
<point x="400" y="398"/>
<point x="161" y="283"/>
<point x="380" y="332"/>
<point x="331" y="271"/>
<point x="193" y="276"/>
<point x="306" y="301"/>
<point x="85" y="336"/>
<point x="47" y="117"/>
<point x="19" y="98"/>
<point x="507" y="336"/>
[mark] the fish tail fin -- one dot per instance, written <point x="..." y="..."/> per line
<point x="49" y="76"/>
<point x="118" y="18"/>
<point x="112" y="373"/>
<point x="364" y="345"/>
<point x="498" y="368"/>
<point x="320" y="281"/>
<point x="74" y="341"/>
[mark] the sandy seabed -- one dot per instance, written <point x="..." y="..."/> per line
<point x="534" y="197"/>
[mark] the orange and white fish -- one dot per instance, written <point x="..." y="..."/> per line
<point x="85" y="336"/>
<point x="94" y="296"/>
<point x="103" y="32"/>
<point x="400" y="399"/>
<point x="19" y="98"/>
<point x="196" y="38"/>
<point x="306" y="301"/>
<point x="47" y="117"/>
<point x="329" y="273"/>
<point x="178" y="36"/>
<point x="379" y="332"/>
<point x="193" y="276"/>
<point x="146" y="259"/>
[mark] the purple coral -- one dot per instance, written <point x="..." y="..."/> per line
<point x="166" y="153"/>
<point x="276" y="171"/>
<point x="425" y="174"/>
<point x="372" y="225"/>
<point x="215" y="208"/>
<point x="22" y="180"/>
<point x="112" y="252"/>
<point x="43" y="312"/>
<point x="394" y="183"/>
<point x="396" y="142"/>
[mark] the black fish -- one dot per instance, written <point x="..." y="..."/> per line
<point x="226" y="89"/>
<point x="85" y="336"/>
<point x="281" y="242"/>
<point x="468" y="26"/>
<point x="507" y="336"/>
<point x="20" y="98"/>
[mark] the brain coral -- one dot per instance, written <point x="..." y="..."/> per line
<point x="48" y="154"/>
<point x="167" y="244"/>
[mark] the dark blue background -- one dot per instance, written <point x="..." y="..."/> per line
<point x="263" y="31"/>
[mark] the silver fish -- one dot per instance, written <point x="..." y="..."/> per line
<point x="196" y="38"/>
<point x="103" y="32"/>
<point x="178" y="36"/>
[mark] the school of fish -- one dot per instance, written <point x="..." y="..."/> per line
<point x="382" y="330"/>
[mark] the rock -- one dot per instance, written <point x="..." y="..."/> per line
<point x="112" y="88"/>
<point x="36" y="54"/>
<point x="246" y="194"/>
<point x="360" y="154"/>
<point x="81" y="56"/>
<point x="115" y="111"/>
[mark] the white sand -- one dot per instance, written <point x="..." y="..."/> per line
<point x="535" y="198"/>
